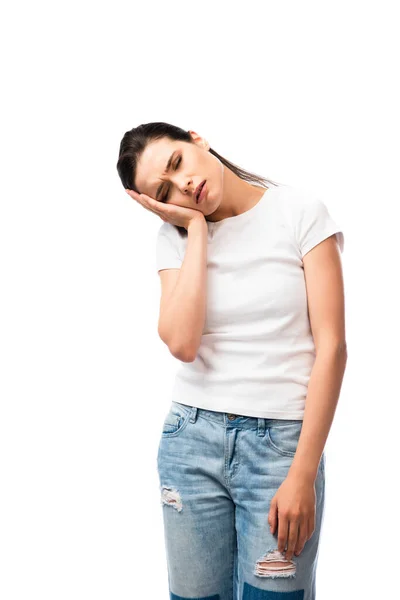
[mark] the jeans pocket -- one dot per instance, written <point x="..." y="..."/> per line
<point x="283" y="436"/>
<point x="176" y="419"/>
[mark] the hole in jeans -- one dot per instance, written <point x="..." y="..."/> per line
<point x="275" y="564"/>
<point x="171" y="497"/>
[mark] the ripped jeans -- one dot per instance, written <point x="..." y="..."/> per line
<point x="218" y="473"/>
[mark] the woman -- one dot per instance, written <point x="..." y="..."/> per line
<point x="252" y="304"/>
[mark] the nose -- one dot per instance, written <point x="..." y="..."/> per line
<point x="189" y="188"/>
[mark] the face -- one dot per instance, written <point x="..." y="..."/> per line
<point x="191" y="163"/>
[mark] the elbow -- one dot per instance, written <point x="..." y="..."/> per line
<point x="186" y="355"/>
<point x="342" y="348"/>
<point x="183" y="352"/>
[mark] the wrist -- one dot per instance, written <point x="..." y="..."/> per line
<point x="196" y="222"/>
<point x="305" y="474"/>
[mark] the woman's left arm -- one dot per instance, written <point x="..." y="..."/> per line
<point x="325" y="296"/>
<point x="294" y="501"/>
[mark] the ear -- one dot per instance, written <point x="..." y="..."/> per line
<point x="199" y="140"/>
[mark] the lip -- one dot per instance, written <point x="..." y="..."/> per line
<point x="202" y="193"/>
<point x="197" y="189"/>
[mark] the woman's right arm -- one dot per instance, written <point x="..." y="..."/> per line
<point x="183" y="296"/>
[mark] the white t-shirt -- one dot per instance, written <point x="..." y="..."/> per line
<point x="257" y="350"/>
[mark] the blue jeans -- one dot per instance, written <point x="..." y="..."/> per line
<point x="218" y="473"/>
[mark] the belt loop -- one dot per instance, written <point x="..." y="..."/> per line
<point x="193" y="414"/>
<point x="261" y="426"/>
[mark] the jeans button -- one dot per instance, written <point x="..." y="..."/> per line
<point x="231" y="417"/>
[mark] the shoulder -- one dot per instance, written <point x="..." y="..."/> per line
<point x="296" y="198"/>
<point x="166" y="229"/>
<point x="308" y="217"/>
<point x="301" y="205"/>
<point x="172" y="232"/>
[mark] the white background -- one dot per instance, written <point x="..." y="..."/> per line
<point x="305" y="93"/>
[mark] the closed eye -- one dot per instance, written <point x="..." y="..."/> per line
<point x="178" y="162"/>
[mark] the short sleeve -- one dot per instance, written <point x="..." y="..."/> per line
<point x="315" y="224"/>
<point x="167" y="248"/>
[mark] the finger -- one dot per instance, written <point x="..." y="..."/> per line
<point x="303" y="533"/>
<point x="293" y="537"/>
<point x="311" y="526"/>
<point x="146" y="201"/>
<point x="132" y="194"/>
<point x="138" y="197"/>
<point x="283" y="526"/>
<point x="272" y="517"/>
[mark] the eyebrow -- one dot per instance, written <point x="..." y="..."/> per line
<point x="166" y="171"/>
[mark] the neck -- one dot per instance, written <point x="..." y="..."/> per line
<point x="239" y="196"/>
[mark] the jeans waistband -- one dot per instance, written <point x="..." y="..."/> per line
<point x="235" y="420"/>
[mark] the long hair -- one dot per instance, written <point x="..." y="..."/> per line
<point x="135" y="141"/>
